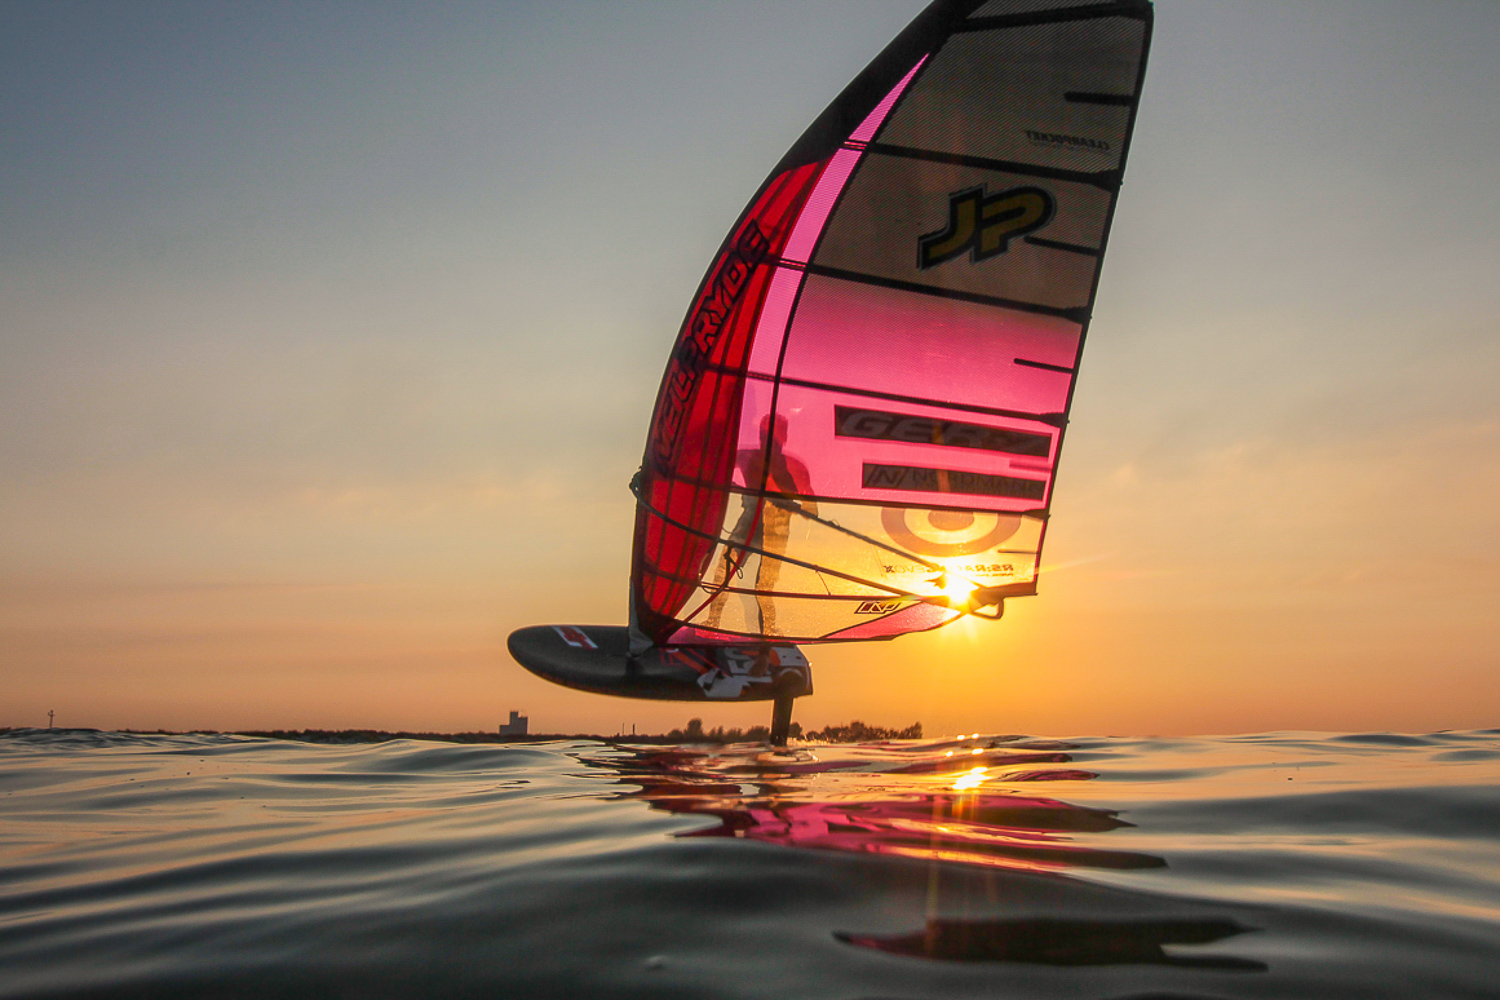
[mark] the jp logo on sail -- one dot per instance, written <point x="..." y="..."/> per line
<point x="984" y="226"/>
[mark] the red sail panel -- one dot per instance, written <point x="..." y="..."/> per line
<point x="691" y="448"/>
<point x="880" y="449"/>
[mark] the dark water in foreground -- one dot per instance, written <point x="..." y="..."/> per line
<point x="1284" y="865"/>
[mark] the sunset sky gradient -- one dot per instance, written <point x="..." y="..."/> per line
<point x="329" y="334"/>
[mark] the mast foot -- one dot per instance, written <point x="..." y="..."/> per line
<point x="792" y="680"/>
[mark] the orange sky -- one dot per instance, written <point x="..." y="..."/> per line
<point x="328" y="347"/>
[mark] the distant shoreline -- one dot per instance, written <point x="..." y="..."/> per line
<point x="369" y="735"/>
<point x="852" y="732"/>
<point x="381" y="736"/>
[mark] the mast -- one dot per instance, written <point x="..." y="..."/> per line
<point x="781" y="718"/>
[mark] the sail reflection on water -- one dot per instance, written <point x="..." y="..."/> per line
<point x="931" y="802"/>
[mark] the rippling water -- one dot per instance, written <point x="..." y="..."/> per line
<point x="1282" y="865"/>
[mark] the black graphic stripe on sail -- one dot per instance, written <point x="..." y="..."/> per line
<point x="1140" y="11"/>
<point x="1038" y="241"/>
<point x="919" y="479"/>
<point x="910" y="428"/>
<point x="1108" y="100"/>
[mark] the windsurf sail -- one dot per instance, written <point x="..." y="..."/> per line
<point x="859" y="426"/>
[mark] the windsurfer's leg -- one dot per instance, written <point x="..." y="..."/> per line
<point x="720" y="582"/>
<point x="732" y="560"/>
<point x="775" y="527"/>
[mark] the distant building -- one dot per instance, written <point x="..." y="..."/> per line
<point x="516" y="726"/>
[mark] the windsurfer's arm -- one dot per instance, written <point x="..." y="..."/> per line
<point x="742" y="529"/>
<point x="794" y="505"/>
<point x="802" y="480"/>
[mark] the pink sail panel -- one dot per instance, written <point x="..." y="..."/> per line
<point x="895" y="341"/>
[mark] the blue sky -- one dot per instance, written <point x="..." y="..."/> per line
<point x="328" y="335"/>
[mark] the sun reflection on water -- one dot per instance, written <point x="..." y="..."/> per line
<point x="971" y="780"/>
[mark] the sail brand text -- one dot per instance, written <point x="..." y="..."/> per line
<point x="972" y="569"/>
<point x="704" y="327"/>
<point x="1058" y="139"/>
<point x="879" y="425"/>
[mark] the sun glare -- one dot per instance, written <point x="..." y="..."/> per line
<point x="957" y="589"/>
<point x="973" y="779"/>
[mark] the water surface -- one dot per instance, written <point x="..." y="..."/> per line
<point x="1279" y="865"/>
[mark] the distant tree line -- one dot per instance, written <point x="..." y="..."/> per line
<point x="695" y="733"/>
<point x="858" y="732"/>
<point x="852" y="732"/>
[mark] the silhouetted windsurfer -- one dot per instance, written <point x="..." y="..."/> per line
<point x="765" y="523"/>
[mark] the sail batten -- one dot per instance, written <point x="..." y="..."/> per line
<point x="1073" y="313"/>
<point x="1109" y="180"/>
<point x="858" y="432"/>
